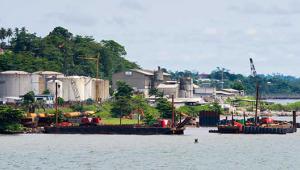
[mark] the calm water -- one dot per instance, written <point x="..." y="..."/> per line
<point x="283" y="101"/>
<point x="214" y="151"/>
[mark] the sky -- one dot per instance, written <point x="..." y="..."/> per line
<point x="196" y="35"/>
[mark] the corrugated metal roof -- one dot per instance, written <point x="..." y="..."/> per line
<point x="230" y="90"/>
<point x="184" y="100"/>
<point x="148" y="72"/>
<point x="46" y="72"/>
<point x="223" y="92"/>
<point x="14" y="72"/>
<point x="165" y="86"/>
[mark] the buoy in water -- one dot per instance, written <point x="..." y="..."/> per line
<point x="196" y="140"/>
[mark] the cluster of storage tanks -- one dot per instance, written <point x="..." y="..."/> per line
<point x="71" y="88"/>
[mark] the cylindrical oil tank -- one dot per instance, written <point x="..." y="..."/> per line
<point x="14" y="83"/>
<point x="40" y="79"/>
<point x="51" y="86"/>
<point x="73" y="88"/>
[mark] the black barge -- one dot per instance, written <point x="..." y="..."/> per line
<point x="114" y="129"/>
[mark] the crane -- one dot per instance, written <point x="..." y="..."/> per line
<point x="97" y="73"/>
<point x="254" y="74"/>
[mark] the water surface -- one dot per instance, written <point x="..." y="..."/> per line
<point x="214" y="151"/>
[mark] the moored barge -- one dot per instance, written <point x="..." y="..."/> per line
<point x="115" y="129"/>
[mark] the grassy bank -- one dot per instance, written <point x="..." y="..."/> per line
<point x="116" y="121"/>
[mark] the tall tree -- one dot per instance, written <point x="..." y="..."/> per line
<point x="9" y="33"/>
<point x="2" y="36"/>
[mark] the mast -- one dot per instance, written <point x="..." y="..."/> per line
<point x="253" y="72"/>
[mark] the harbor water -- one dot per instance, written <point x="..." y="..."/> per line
<point x="282" y="101"/>
<point x="213" y="151"/>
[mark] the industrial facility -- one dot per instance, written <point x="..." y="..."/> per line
<point x="70" y="88"/>
<point x="141" y="80"/>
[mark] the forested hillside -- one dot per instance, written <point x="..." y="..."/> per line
<point x="60" y="51"/>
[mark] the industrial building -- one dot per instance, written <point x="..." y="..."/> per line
<point x="141" y="80"/>
<point x="71" y="88"/>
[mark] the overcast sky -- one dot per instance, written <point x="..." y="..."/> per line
<point x="196" y="35"/>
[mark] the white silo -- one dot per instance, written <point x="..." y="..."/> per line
<point x="40" y="79"/>
<point x="14" y="83"/>
<point x="73" y="88"/>
<point x="51" y="85"/>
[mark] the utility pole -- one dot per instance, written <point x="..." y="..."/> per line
<point x="97" y="74"/>
<point x="173" y="112"/>
<point x="56" y="105"/>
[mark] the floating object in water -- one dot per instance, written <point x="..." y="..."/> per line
<point x="196" y="140"/>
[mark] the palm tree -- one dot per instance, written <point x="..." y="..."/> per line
<point x="2" y="35"/>
<point x="23" y="30"/>
<point x="9" y="33"/>
<point x="16" y="31"/>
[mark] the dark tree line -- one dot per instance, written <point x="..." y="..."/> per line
<point x="270" y="85"/>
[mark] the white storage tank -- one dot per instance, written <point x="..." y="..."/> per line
<point x="40" y="79"/>
<point x="14" y="83"/>
<point x="51" y="87"/>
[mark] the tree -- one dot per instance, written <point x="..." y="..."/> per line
<point x="122" y="104"/>
<point x="2" y="35"/>
<point x="61" y="51"/>
<point x="9" y="33"/>
<point x="29" y="102"/>
<point x="237" y="85"/>
<point x="10" y="119"/>
<point x="123" y="90"/>
<point x="46" y="91"/>
<point x="164" y="107"/>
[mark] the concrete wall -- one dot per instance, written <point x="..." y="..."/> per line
<point x="169" y="91"/>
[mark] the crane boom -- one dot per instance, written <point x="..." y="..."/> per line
<point x="253" y="71"/>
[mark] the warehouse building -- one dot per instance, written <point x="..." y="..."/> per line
<point x="141" y="80"/>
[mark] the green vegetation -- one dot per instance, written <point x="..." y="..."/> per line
<point x="122" y="104"/>
<point x="60" y="51"/>
<point x="164" y="107"/>
<point x="281" y="107"/>
<point x="10" y="120"/>
<point x="194" y="110"/>
<point x="116" y="121"/>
